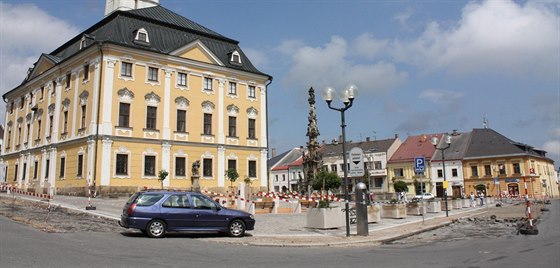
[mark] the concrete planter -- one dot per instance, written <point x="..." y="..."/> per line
<point x="433" y="206"/>
<point x="393" y="211"/>
<point x="449" y="205"/>
<point x="374" y="213"/>
<point x="466" y="203"/>
<point x="457" y="204"/>
<point x="415" y="208"/>
<point x="325" y="218"/>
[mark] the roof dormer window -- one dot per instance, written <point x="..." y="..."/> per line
<point x="235" y="57"/>
<point x="142" y="36"/>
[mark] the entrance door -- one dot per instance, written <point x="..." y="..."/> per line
<point x="513" y="189"/>
<point x="456" y="191"/>
<point x="439" y="189"/>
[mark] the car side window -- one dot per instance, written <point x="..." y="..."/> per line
<point x="177" y="201"/>
<point x="202" y="202"/>
<point x="148" y="199"/>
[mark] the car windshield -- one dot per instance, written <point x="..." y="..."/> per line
<point x="148" y="199"/>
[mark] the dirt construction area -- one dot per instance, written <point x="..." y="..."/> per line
<point x="490" y="222"/>
<point x="493" y="222"/>
<point x="54" y="219"/>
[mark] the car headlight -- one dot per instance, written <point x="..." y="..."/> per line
<point x="252" y="217"/>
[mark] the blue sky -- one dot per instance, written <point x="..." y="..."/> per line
<point x="420" y="66"/>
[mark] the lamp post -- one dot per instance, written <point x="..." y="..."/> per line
<point x="435" y="142"/>
<point x="300" y="184"/>
<point x="499" y="190"/>
<point x="347" y="96"/>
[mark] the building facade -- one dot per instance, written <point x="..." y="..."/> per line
<point x="453" y="155"/>
<point x="496" y="165"/>
<point x="142" y="91"/>
<point x="286" y="171"/>
<point x="376" y="155"/>
<point x="401" y="165"/>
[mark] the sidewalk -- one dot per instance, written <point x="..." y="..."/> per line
<point x="283" y="230"/>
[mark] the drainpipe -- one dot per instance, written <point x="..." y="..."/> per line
<point x="267" y="139"/>
<point x="94" y="180"/>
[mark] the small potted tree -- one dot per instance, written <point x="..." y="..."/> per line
<point x="162" y="176"/>
<point x="231" y="175"/>
<point x="395" y="209"/>
<point x="248" y="183"/>
<point x="325" y="216"/>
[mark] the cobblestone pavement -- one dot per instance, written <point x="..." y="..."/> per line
<point x="290" y="230"/>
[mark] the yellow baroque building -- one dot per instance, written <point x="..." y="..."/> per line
<point x="141" y="91"/>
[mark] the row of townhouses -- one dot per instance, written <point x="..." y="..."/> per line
<point x="141" y="91"/>
<point x="481" y="160"/>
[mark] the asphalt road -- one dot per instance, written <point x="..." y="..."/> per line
<point x="23" y="246"/>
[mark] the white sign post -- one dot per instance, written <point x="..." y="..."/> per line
<point x="356" y="162"/>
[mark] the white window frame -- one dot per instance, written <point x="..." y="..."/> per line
<point x="122" y="150"/>
<point x="142" y="31"/>
<point x="251" y="92"/>
<point x="179" y="80"/>
<point x="205" y="84"/>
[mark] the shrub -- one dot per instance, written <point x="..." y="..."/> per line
<point x="323" y="203"/>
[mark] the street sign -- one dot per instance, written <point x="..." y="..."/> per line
<point x="419" y="164"/>
<point x="356" y="162"/>
<point x="496" y="181"/>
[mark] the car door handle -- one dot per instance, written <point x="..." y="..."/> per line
<point x="197" y="215"/>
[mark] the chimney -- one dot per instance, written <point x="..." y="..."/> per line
<point x="367" y="138"/>
<point x="455" y="133"/>
<point x="272" y="152"/>
<point x="340" y="138"/>
<point x="396" y="135"/>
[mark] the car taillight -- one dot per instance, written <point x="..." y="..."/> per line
<point x="130" y="209"/>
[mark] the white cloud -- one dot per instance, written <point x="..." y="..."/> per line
<point x="27" y="31"/>
<point x="367" y="46"/>
<point x="258" y="58"/>
<point x="552" y="147"/>
<point x="332" y="65"/>
<point x="492" y="36"/>
<point x="290" y="46"/>
<point x="440" y="96"/>
<point x="554" y="133"/>
<point x="403" y="17"/>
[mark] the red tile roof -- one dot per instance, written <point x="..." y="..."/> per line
<point x="415" y="146"/>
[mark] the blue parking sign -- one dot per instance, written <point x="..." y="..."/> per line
<point x="419" y="164"/>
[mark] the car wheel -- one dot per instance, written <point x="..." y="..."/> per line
<point x="156" y="229"/>
<point x="236" y="228"/>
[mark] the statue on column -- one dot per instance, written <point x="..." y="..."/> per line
<point x="195" y="176"/>
<point x="312" y="159"/>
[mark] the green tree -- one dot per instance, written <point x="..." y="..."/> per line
<point x="162" y="176"/>
<point x="327" y="179"/>
<point x="400" y="186"/>
<point x="330" y="179"/>
<point x="232" y="175"/>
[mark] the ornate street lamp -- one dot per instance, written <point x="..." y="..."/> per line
<point x="347" y="96"/>
<point x="435" y="142"/>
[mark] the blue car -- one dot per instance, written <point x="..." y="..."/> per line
<point x="157" y="212"/>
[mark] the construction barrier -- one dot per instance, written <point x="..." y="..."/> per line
<point x="20" y="191"/>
